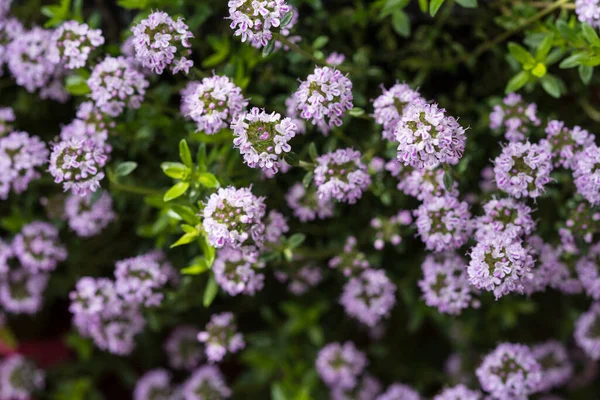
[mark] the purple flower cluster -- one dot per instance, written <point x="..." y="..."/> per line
<point x="422" y="183"/>
<point x="161" y="42"/>
<point x="220" y="337"/>
<point x="390" y="105"/>
<point x="443" y="223"/>
<point x="428" y="137"/>
<point x="38" y="248"/>
<point x="567" y="143"/>
<point x="276" y="225"/>
<point x="77" y="164"/>
<point x="387" y="229"/>
<point x="582" y="223"/>
<point x="255" y="21"/>
<point x="116" y="84"/>
<point x="458" y="392"/>
<point x="369" y="297"/>
<point x="556" y="269"/>
<point x="586" y="172"/>
<point x="88" y="216"/>
<point x="138" y="280"/>
<point x="7" y="116"/>
<point x="556" y="366"/>
<point x="20" y="156"/>
<point x="71" y="44"/>
<point x="445" y="284"/>
<point x="206" y="382"/>
<point x="20" y="379"/>
<point x="588" y="11"/>
<point x="339" y="365"/>
<point x="367" y="389"/>
<point x="234" y="217"/>
<point x="153" y="385"/>
<point x="399" y="391"/>
<point x="588" y="271"/>
<point x="10" y="28"/>
<point x="351" y="262"/>
<point x="213" y="103"/>
<point x="510" y="372"/>
<point x="504" y="217"/>
<point x="324" y="97"/>
<point x="307" y="205"/>
<point x="515" y="117"/>
<point x="183" y="349"/>
<point x="263" y="138"/>
<point x="587" y="332"/>
<point x="79" y="129"/>
<point x="301" y="279"/>
<point x="341" y="175"/>
<point x="236" y="270"/>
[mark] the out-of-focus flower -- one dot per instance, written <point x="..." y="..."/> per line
<point x="182" y="348"/>
<point x="38" y="247"/>
<point x="515" y="117"/>
<point x="566" y="143"/>
<point x="20" y="156"/>
<point x="399" y="391"/>
<point x="301" y="279"/>
<point x="341" y="175"/>
<point x="71" y="44"/>
<point x="351" y="262"/>
<point x="153" y="385"/>
<point x="423" y="183"/>
<point x="22" y="292"/>
<point x="369" y="297"/>
<point x="340" y="365"/>
<point x="20" y="379"/>
<point x="388" y="229"/>
<point x="588" y="11"/>
<point x="556" y="366"/>
<point x="367" y="389"/>
<point x="443" y="223"/>
<point x="7" y="116"/>
<point x="236" y="271"/>
<point x="586" y="172"/>
<point x="306" y="204"/>
<point x="221" y="337"/>
<point x="88" y="216"/>
<point x="206" y="383"/>
<point x="138" y="280"/>
<point x="390" y="105"/>
<point x="587" y="332"/>
<point x="27" y="57"/>
<point x="458" y="392"/>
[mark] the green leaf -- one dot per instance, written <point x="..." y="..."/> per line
<point x="292" y="159"/>
<point x="287" y="18"/>
<point x="186" y="213"/>
<point x="176" y="190"/>
<point x="566" y="31"/>
<point x="201" y="158"/>
<point x="573" y="60"/>
<point x="210" y="292"/>
<point x="539" y="70"/>
<point x="544" y="47"/>
<point x="185" y="154"/>
<point x="356" y="112"/>
<point x="198" y="267"/>
<point x="400" y="23"/>
<point x="590" y="35"/>
<point x="434" y="6"/>
<point x="268" y="49"/>
<point x="467" y="3"/>
<point x="185" y="239"/>
<point x="296" y="240"/>
<point x="391" y="6"/>
<point x="125" y="168"/>
<point x="448" y="180"/>
<point x="307" y="179"/>
<point x="517" y="82"/>
<point x="174" y="170"/>
<point x="521" y="54"/>
<point x="423" y="5"/>
<point x="320" y="42"/>
<point x="77" y="85"/>
<point x="133" y="4"/>
<point x="551" y="85"/>
<point x="585" y="73"/>
<point x="208" y="180"/>
<point x="207" y="250"/>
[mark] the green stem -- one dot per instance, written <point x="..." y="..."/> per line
<point x="135" y="189"/>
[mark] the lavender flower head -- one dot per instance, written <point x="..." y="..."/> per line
<point x="390" y="105"/>
<point x="369" y="297"/>
<point x="324" y="97"/>
<point x="71" y="44"/>
<point x="206" y="382"/>
<point x="182" y="348"/>
<point x="10" y="29"/>
<point x="306" y="204"/>
<point x="27" y="56"/>
<point x="588" y="271"/>
<point x="20" y="155"/>
<point x="367" y="389"/>
<point x="582" y="223"/>
<point x="334" y="59"/>
<point x="504" y="217"/>
<point x="423" y="183"/>
<point x="302" y="279"/>
<point x="428" y="137"/>
<point x="340" y="365"/>
<point x="515" y="117"/>
<point x="443" y="223"/>
<point x="500" y="265"/>
<point x="236" y="271"/>
<point x="256" y="21"/>
<point x="221" y="337"/>
<point x="388" y="229"/>
<point x="19" y="378"/>
<point x="115" y="85"/>
<point x="263" y="138"/>
<point x="291" y="104"/>
<point x="96" y="121"/>
<point x="523" y="169"/>
<point x="234" y="217"/>
<point x="138" y="280"/>
<point x="399" y="391"/>
<point x="80" y="130"/>
<point x="567" y="143"/>
<point x="88" y="217"/>
<point x="22" y="292"/>
<point x="588" y="11"/>
<point x="153" y="385"/>
<point x="586" y="172"/>
<point x="161" y="42"/>
<point x="276" y="227"/>
<point x="556" y="366"/>
<point x="558" y="269"/>
<point x="77" y="164"/>
<point x="510" y="372"/>
<point x="7" y="115"/>
<point x="341" y="175"/>
<point x="445" y="285"/>
<point x="351" y="262"/>
<point x="213" y="103"/>
<point x="587" y="332"/>
<point x="458" y="392"/>
<point x="38" y="247"/>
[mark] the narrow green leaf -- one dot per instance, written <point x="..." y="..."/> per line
<point x="125" y="168"/>
<point x="423" y="5"/>
<point x="320" y="42"/>
<point x="198" y="267"/>
<point x="207" y="250"/>
<point x="517" y="82"/>
<point x="185" y="239"/>
<point x="210" y="292"/>
<point x="292" y="159"/>
<point x="185" y="154"/>
<point x="176" y="190"/>
<point x="551" y="85"/>
<point x="307" y="179"/>
<point x="467" y="3"/>
<point x="174" y="170"/>
<point x="208" y="180"/>
<point x="400" y="23"/>
<point x="201" y="158"/>
<point x="544" y="47"/>
<point x="287" y="18"/>
<point x="573" y="60"/>
<point x="186" y="213"/>
<point x="448" y="180"/>
<point x="77" y="85"/>
<point x="585" y="73"/>
<point x="296" y="240"/>
<point x="356" y="112"/>
<point x="590" y="35"/>
<point x="566" y="31"/>
<point x="312" y="151"/>
<point x="521" y="54"/>
<point x="434" y="6"/>
<point x="268" y="49"/>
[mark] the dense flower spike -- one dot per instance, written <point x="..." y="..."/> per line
<point x="19" y="378"/>
<point x="583" y="223"/>
<point x="588" y="271"/>
<point x="38" y="247"/>
<point x="556" y="366"/>
<point x="236" y="271"/>
<point x="153" y="385"/>
<point x="369" y="297"/>
<point x="88" y="216"/>
<point x="27" y="57"/>
<point x="500" y="265"/>
<point x="340" y="365"/>
<point x="445" y="284"/>
<point x="368" y="389"/>
<point x="234" y="217"/>
<point x="388" y="229"/>
<point x="115" y="85"/>
<point x="306" y="204"/>
<point x="206" y="383"/>
<point x="458" y="392"/>
<point x="351" y="262"/>
<point x="138" y="280"/>
<point x="77" y="164"/>
<point x="72" y="43"/>
<point x="182" y="348"/>
<point x="588" y="11"/>
<point x="22" y="292"/>
<point x="341" y="175"/>
<point x="586" y="172"/>
<point x="510" y="372"/>
<point x="302" y="279"/>
<point x="515" y="117"/>
<point x="161" y="42"/>
<point x="399" y="391"/>
<point x="390" y="105"/>
<point x="566" y="143"/>
<point x="443" y="223"/>
<point x="324" y="97"/>
<point x="7" y="116"/>
<point x="557" y="269"/>
<point x="428" y="137"/>
<point x="221" y="337"/>
<point x="213" y="103"/>
<point x="256" y="21"/>
<point x="504" y="217"/>
<point x="523" y="169"/>
<point x="20" y="155"/>
<point x="263" y="138"/>
<point x="587" y="332"/>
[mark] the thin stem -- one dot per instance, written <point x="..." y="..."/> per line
<point x="135" y="189"/>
